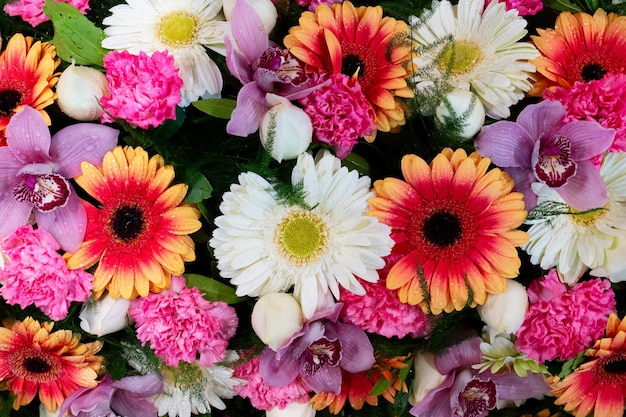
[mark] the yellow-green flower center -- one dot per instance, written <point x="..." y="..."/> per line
<point x="459" y="57"/>
<point x="302" y="237"/>
<point x="177" y="29"/>
<point x="185" y="376"/>
<point x="589" y="217"/>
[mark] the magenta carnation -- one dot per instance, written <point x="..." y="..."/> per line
<point x="143" y="90"/>
<point x="180" y="325"/>
<point x="340" y="114"/>
<point x="380" y="311"/>
<point x="561" y="322"/>
<point x="602" y="101"/>
<point x="36" y="273"/>
<point x="265" y="397"/>
<point x="314" y="4"/>
<point x="523" y="7"/>
<point x="31" y="11"/>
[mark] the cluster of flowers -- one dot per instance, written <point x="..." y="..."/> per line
<point x="427" y="209"/>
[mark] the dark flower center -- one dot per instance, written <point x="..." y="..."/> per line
<point x="592" y="72"/>
<point x="616" y="366"/>
<point x="36" y="365"/>
<point x="322" y="352"/>
<point x="554" y="163"/>
<point x="351" y="65"/>
<point x="476" y="398"/>
<point x="611" y="369"/>
<point x="9" y="99"/>
<point x="128" y="222"/>
<point x="442" y="228"/>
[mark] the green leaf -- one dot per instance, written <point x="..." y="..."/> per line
<point x="592" y="5"/>
<point x="222" y="108"/>
<point x="199" y="188"/>
<point x="380" y="386"/>
<point x="213" y="289"/>
<point x="75" y="37"/>
<point x="354" y="161"/>
<point x="563" y="6"/>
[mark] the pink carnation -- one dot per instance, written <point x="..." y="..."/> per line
<point x="561" y="322"/>
<point x="380" y="311"/>
<point x="523" y="7"/>
<point x="314" y="4"/>
<point x="31" y="11"/>
<point x="340" y="114"/>
<point x="602" y="101"/>
<point x="143" y="90"/>
<point x="181" y="325"/>
<point x="262" y="396"/>
<point x="36" y="273"/>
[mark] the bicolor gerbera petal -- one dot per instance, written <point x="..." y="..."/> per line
<point x="455" y="226"/>
<point x="137" y="211"/>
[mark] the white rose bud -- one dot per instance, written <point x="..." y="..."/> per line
<point x="265" y="9"/>
<point x="462" y="101"/>
<point x="505" y="312"/>
<point x="286" y="130"/>
<point x="276" y="317"/>
<point x="104" y="316"/>
<point x="427" y="377"/>
<point x="292" y="410"/>
<point x="79" y="90"/>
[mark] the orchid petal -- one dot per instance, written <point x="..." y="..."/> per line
<point x="81" y="142"/>
<point x="506" y="143"/>
<point x="512" y="387"/>
<point x="586" y="189"/>
<point x="326" y="379"/>
<point x="542" y="119"/>
<point x="251" y="107"/>
<point x="13" y="214"/>
<point x="89" y="400"/>
<point x="248" y="31"/>
<point x="144" y="385"/>
<point x="237" y="64"/>
<point x="466" y="353"/>
<point x="588" y="139"/>
<point x="9" y="167"/>
<point x="357" y="353"/>
<point x="28" y="136"/>
<point x="523" y="179"/>
<point x="278" y="372"/>
<point x="67" y="224"/>
<point x="126" y="403"/>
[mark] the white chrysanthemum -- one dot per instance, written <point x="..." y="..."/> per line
<point x="264" y="245"/>
<point x="574" y="241"/>
<point x="471" y="47"/>
<point x="183" y="28"/>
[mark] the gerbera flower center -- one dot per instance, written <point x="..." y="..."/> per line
<point x="322" y="352"/>
<point x="476" y="398"/>
<point x="592" y="72"/>
<point x="127" y="222"/>
<point x="302" y="237"/>
<point x="459" y="57"/>
<point x="554" y="164"/>
<point x="442" y="228"/>
<point x="177" y="29"/>
<point x="34" y="365"/>
<point x="611" y="369"/>
<point x="45" y="192"/>
<point x="9" y="99"/>
<point x="357" y="60"/>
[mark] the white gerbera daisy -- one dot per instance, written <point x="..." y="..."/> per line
<point x="573" y="241"/>
<point x="471" y="47"/>
<point x="266" y="245"/>
<point x="183" y="28"/>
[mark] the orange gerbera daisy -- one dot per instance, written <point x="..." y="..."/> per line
<point x="454" y="226"/>
<point x="359" y="42"/>
<point x="32" y="358"/>
<point x="26" y="78"/>
<point x="598" y="387"/>
<point x="138" y="235"/>
<point x="581" y="47"/>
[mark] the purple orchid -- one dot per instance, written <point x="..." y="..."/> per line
<point x="469" y="393"/>
<point x="125" y="397"/>
<point x="261" y="69"/>
<point x="34" y="173"/>
<point x="318" y="353"/>
<point x="541" y="147"/>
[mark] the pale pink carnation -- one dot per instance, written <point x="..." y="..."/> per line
<point x="31" y="11"/>
<point x="380" y="311"/>
<point x="36" y="274"/>
<point x="262" y="396"/>
<point x="143" y="90"/>
<point x="181" y="325"/>
<point x="340" y="114"/>
<point x="561" y="322"/>
<point x="602" y="101"/>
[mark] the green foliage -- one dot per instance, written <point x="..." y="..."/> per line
<point x="212" y="289"/>
<point x="221" y="108"/>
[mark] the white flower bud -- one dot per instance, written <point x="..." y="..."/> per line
<point x="276" y="318"/>
<point x="265" y="8"/>
<point x="286" y="130"/>
<point x="505" y="312"/>
<point x="292" y="410"/>
<point x="460" y="102"/>
<point x="104" y="316"/>
<point x="79" y="90"/>
<point x="427" y="377"/>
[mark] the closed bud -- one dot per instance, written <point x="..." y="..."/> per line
<point x="505" y="312"/>
<point x="292" y="410"/>
<point x="107" y="315"/>
<point x="286" y="130"/>
<point x="464" y="106"/>
<point x="276" y="318"/>
<point x="264" y="8"/>
<point x="79" y="90"/>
